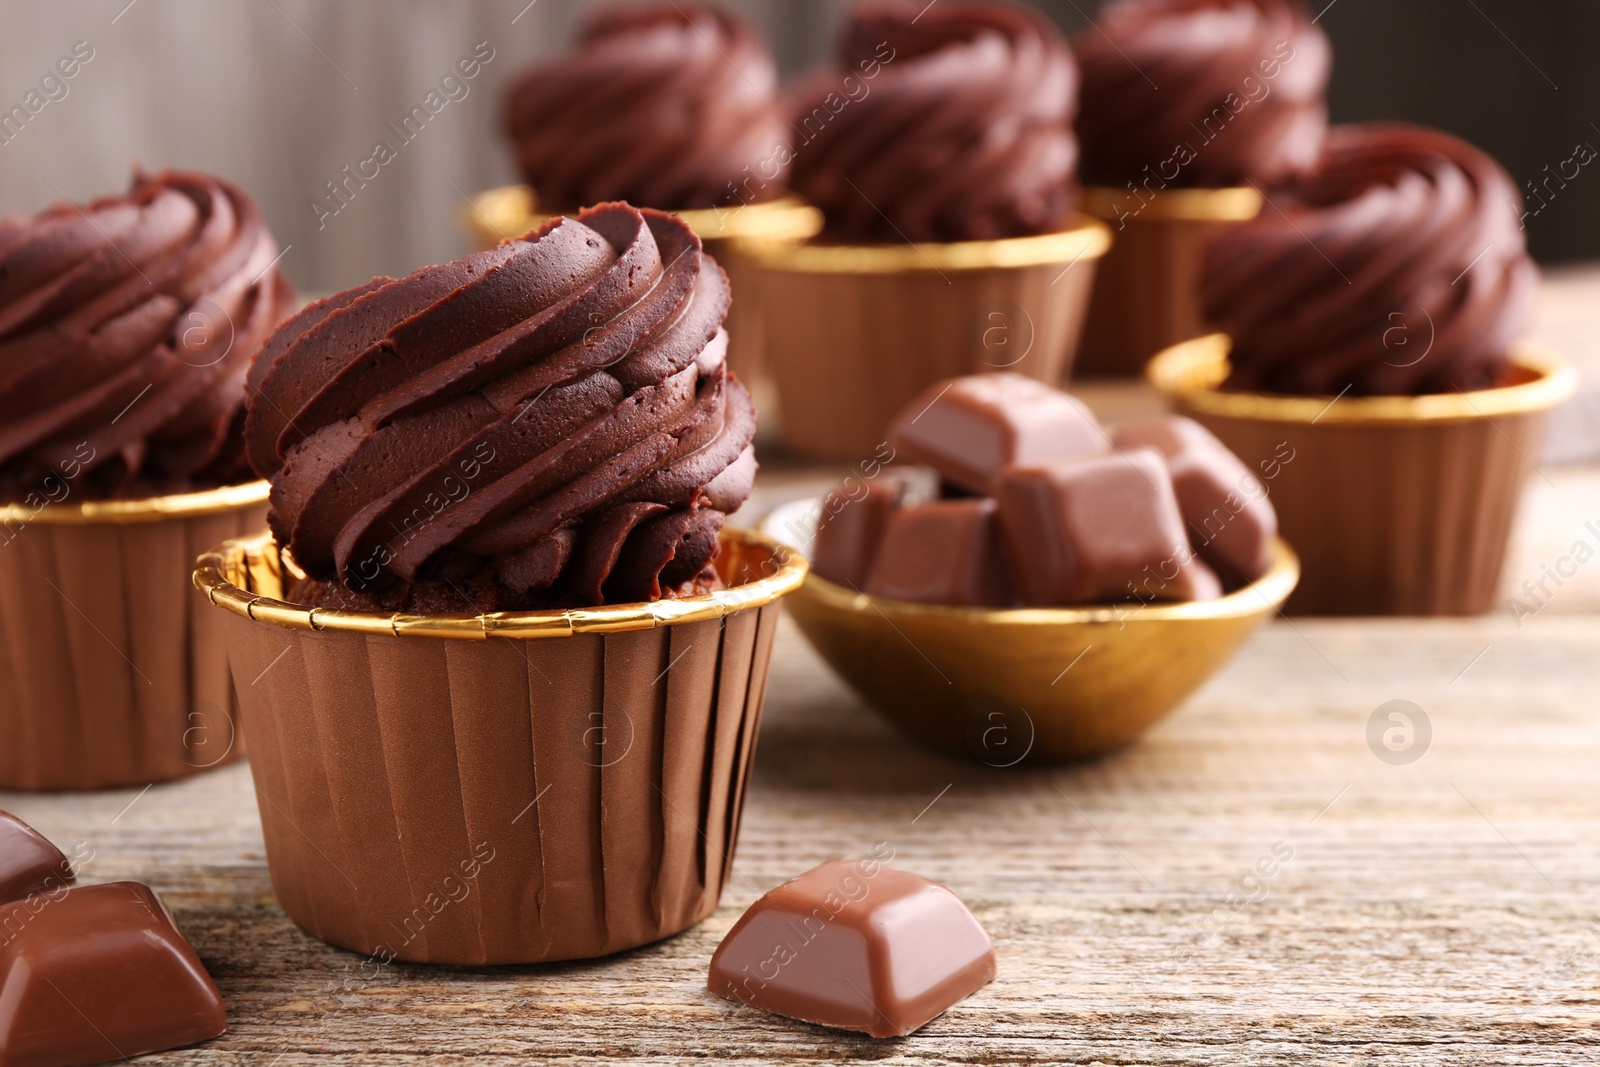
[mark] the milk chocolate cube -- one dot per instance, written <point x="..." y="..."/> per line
<point x="1232" y="524"/>
<point x="854" y="517"/>
<point x="1099" y="530"/>
<point x="944" y="552"/>
<point x="29" y="863"/>
<point x="858" y="946"/>
<point x="98" y="974"/>
<point x="968" y="428"/>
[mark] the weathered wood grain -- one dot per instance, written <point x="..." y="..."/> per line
<point x="1437" y="913"/>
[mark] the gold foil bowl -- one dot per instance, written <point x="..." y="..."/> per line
<point x="854" y="332"/>
<point x="109" y="673"/>
<point x="1398" y="505"/>
<point x="1028" y="684"/>
<point x="1147" y="296"/>
<point x="508" y="788"/>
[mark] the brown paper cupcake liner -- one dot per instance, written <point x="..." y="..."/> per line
<point x="853" y="333"/>
<point x="512" y="210"/>
<point x="1396" y="505"/>
<point x="433" y="790"/>
<point x="1147" y="293"/>
<point x="110" y="664"/>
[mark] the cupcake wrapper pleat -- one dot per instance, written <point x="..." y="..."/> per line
<point x="112" y="666"/>
<point x="501" y="801"/>
<point x="849" y="351"/>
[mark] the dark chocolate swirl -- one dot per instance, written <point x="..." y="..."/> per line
<point x="546" y="424"/>
<point x="1203" y="93"/>
<point x="940" y="123"/>
<point x="126" y="328"/>
<point x="663" y="106"/>
<point x="1398" y="266"/>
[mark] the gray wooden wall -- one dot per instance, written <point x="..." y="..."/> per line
<point x="283" y="94"/>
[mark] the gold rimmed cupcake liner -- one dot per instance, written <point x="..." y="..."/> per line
<point x="110" y="672"/>
<point x="480" y="801"/>
<point x="1147" y="297"/>
<point x="1398" y="505"/>
<point x="854" y="332"/>
<point x="1030" y="684"/>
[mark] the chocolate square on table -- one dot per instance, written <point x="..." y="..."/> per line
<point x="943" y="552"/>
<point x="968" y="428"/>
<point x="1104" y="529"/>
<point x="858" y="946"/>
<point x="28" y="863"/>
<point x="96" y="974"/>
<point x="1232" y="524"/>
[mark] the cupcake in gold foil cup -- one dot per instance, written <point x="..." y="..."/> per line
<point x="669" y="106"/>
<point x="940" y="151"/>
<point x="508" y="667"/>
<point x="126" y="328"/>
<point x="1375" y="353"/>
<point x="1190" y="110"/>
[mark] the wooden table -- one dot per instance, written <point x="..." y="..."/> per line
<point x="1441" y="912"/>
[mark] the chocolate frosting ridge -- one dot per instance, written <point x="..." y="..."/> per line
<point x="548" y="423"/>
<point x="1239" y="83"/>
<point x="127" y="326"/>
<point x="1397" y="267"/>
<point x="940" y="123"/>
<point x="664" y="106"/>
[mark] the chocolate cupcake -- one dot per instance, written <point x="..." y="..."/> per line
<point x="540" y="443"/>
<point x="940" y="150"/>
<point x="1374" y="318"/>
<point x="127" y="326"/>
<point x="1190" y="109"/>
<point x="670" y="106"/>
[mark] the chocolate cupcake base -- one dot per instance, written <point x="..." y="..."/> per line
<point x="509" y="788"/>
<point x="854" y="332"/>
<point x="1397" y="505"/>
<point x="111" y="669"/>
<point x="1147" y="294"/>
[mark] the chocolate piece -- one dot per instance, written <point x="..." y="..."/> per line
<point x="1201" y="93"/>
<point x="858" y="946"/>
<point x="28" y="863"/>
<point x="547" y="424"/>
<point x="96" y="974"/>
<point x="958" y="125"/>
<point x="968" y="428"/>
<point x="1231" y="522"/>
<point x="1398" y="266"/>
<point x="1098" y="530"/>
<point x="945" y="552"/>
<point x="851" y="527"/>
<point x="127" y="325"/>
<point x="667" y="105"/>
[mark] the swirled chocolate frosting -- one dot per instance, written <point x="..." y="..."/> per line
<point x="669" y="106"/>
<point x="1398" y="266"/>
<point x="1201" y="93"/>
<point x="546" y="424"/>
<point x="126" y="328"/>
<point x="940" y="123"/>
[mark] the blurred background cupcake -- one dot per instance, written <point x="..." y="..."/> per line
<point x="939" y="147"/>
<point x="1190" y="108"/>
<point x="506" y="469"/>
<point x="127" y="325"/>
<point x="1373" y="317"/>
<point x="670" y="106"/>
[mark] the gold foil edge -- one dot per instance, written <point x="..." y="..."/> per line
<point x="1239" y="203"/>
<point x="149" y="509"/>
<point x="238" y="577"/>
<point x="1192" y="374"/>
<point x="1088" y="238"/>
<point x="510" y="211"/>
